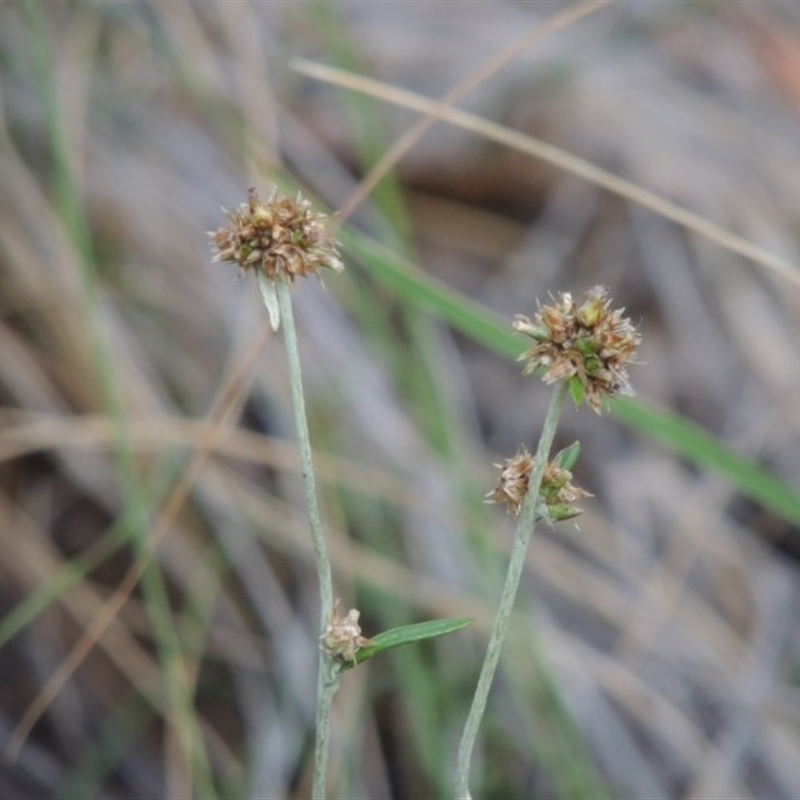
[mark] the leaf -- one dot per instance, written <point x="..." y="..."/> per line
<point x="408" y="634"/>
<point x="269" y="293"/>
<point x="576" y="391"/>
<point x="567" y="457"/>
<point x="562" y="512"/>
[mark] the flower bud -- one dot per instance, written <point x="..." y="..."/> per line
<point x="556" y="491"/>
<point x="342" y="638"/>
<point x="588" y="345"/>
<point x="282" y="238"/>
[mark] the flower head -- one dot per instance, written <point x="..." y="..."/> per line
<point x="556" y="490"/>
<point x="342" y="638"/>
<point x="281" y="237"/>
<point x="587" y="344"/>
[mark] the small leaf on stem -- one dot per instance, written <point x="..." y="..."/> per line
<point x="407" y="634"/>
<point x="269" y="293"/>
<point x="568" y="457"/>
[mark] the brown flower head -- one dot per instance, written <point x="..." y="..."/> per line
<point x="556" y="490"/>
<point x="587" y="344"/>
<point x="342" y="638"/>
<point x="284" y="238"/>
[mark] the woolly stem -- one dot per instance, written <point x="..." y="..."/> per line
<point x="328" y="681"/>
<point x="525" y="527"/>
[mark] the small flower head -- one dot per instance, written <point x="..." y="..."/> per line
<point x="342" y="638"/>
<point x="587" y="344"/>
<point x="281" y="237"/>
<point x="556" y="491"/>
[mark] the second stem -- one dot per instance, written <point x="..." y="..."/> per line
<point x="525" y="526"/>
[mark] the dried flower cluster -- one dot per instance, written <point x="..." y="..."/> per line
<point x="342" y="638"/>
<point x="588" y="344"/>
<point x="556" y="490"/>
<point x="282" y="237"/>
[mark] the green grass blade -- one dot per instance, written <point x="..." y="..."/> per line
<point x="701" y="448"/>
<point x="136" y="508"/>
<point x="684" y="437"/>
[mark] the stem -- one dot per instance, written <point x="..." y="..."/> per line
<point x="525" y="526"/>
<point x="327" y="685"/>
<point x="304" y="446"/>
<point x="327" y="682"/>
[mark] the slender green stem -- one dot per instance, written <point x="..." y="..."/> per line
<point x="304" y="446"/>
<point x="327" y="685"/>
<point x="525" y="526"/>
<point x="328" y="674"/>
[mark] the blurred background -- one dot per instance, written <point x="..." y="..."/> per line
<point x="145" y="406"/>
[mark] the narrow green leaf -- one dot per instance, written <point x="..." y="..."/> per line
<point x="432" y="295"/>
<point x="700" y="447"/>
<point x="408" y="634"/>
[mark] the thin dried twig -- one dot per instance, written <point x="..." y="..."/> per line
<point x="555" y="156"/>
